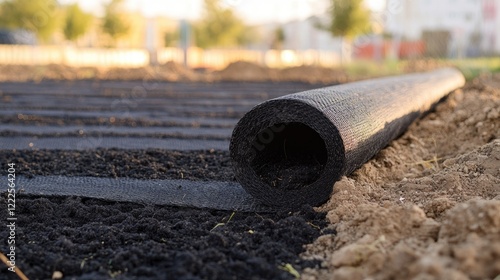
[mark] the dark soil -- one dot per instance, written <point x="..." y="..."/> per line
<point x="141" y="164"/>
<point x="293" y="159"/>
<point x="86" y="238"/>
<point x="93" y="239"/>
<point x="67" y="120"/>
<point x="291" y="175"/>
<point x="228" y="114"/>
<point x="111" y="134"/>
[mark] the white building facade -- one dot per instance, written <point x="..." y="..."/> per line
<point x="473" y="25"/>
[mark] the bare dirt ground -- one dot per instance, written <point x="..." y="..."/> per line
<point x="239" y="71"/>
<point x="427" y="206"/>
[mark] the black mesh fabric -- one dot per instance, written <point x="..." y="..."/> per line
<point x="354" y="121"/>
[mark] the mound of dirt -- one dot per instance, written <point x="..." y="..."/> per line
<point x="427" y="206"/>
<point x="251" y="72"/>
<point x="8" y="73"/>
<point x="421" y="65"/>
<point x="313" y="75"/>
<point x="22" y="73"/>
<point x="176" y="71"/>
<point x="246" y="72"/>
<point x="170" y="71"/>
<point x="124" y="74"/>
<point x="240" y="71"/>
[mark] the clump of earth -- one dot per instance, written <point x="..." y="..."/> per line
<point x="428" y="205"/>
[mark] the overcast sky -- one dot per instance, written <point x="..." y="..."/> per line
<point x="252" y="11"/>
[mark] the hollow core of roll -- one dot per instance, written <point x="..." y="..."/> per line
<point x="289" y="155"/>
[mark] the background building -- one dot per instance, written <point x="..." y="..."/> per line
<point x="463" y="28"/>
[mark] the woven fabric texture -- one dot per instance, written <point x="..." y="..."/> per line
<point x="290" y="150"/>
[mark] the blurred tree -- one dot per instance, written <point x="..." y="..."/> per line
<point x="39" y="16"/>
<point x="348" y="20"/>
<point x="76" y="22"/>
<point x="171" y="39"/>
<point x="114" y="23"/>
<point x="278" y="39"/>
<point x="220" y="26"/>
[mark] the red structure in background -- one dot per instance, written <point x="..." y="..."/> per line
<point x="489" y="10"/>
<point x="404" y="49"/>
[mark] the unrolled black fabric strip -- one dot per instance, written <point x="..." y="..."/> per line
<point x="290" y="150"/>
<point x="184" y="193"/>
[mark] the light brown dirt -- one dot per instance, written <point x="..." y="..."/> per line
<point x="238" y="71"/>
<point x="250" y="72"/>
<point x="247" y="72"/>
<point x="168" y="72"/>
<point x="427" y="206"/>
<point x="314" y="75"/>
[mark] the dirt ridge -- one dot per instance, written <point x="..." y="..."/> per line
<point x="427" y="206"/>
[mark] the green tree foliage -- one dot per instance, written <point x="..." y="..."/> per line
<point x="114" y="23"/>
<point x="348" y="18"/>
<point x="39" y="16"/>
<point x="278" y="39"/>
<point x="220" y="27"/>
<point x="76" y="22"/>
<point x="171" y="39"/>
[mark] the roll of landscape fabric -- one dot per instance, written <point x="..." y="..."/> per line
<point x="290" y="150"/>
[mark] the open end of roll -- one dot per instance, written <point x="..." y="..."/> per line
<point x="289" y="155"/>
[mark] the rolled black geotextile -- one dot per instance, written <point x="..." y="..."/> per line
<point x="290" y="150"/>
